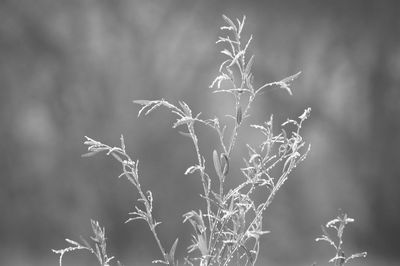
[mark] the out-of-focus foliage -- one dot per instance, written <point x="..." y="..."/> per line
<point x="72" y="68"/>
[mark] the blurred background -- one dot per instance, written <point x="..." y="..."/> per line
<point x="72" y="68"/>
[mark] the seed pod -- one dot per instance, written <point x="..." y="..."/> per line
<point x="239" y="115"/>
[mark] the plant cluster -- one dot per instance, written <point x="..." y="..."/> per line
<point x="229" y="227"/>
<point x="337" y="225"/>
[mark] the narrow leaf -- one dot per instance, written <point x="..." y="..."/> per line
<point x="248" y="43"/>
<point x="85" y="243"/>
<point x="227" y="53"/>
<point x="248" y="254"/>
<point x="217" y="164"/>
<point x="158" y="103"/>
<point x="241" y="24"/>
<point x="230" y="22"/>
<point x="239" y="115"/>
<point x="160" y="261"/>
<point x="222" y="65"/>
<point x="249" y="66"/>
<point x="357" y="255"/>
<point x="171" y="255"/>
<point x="226" y="166"/>
<point x="182" y="121"/>
<point x="291" y="78"/>
<point x="145" y="104"/>
<point x="73" y="242"/>
<point x="119" y="159"/>
<point x="185" y="108"/>
<point x="142" y="102"/>
<point x="192" y="169"/>
<point x="122" y="142"/>
<point x="90" y="154"/>
<point x="236" y="58"/>
<point x="185" y="134"/>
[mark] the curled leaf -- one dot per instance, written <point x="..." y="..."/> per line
<point x="192" y="169"/>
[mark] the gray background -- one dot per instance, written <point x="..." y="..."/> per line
<point x="72" y="68"/>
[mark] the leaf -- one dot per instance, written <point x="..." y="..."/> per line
<point x="291" y="78"/>
<point x="285" y="83"/>
<point x="185" y="108"/>
<point x="236" y="58"/>
<point x="241" y="24"/>
<point x="157" y="104"/>
<point x="85" y="243"/>
<point x="239" y="115"/>
<point x="326" y="237"/>
<point x="98" y="254"/>
<point x="202" y="244"/>
<point x="171" y="254"/>
<point x="225" y="51"/>
<point x="356" y="255"/>
<point x="151" y="105"/>
<point x="145" y="104"/>
<point x="73" y="242"/>
<point x="119" y="159"/>
<point x="122" y="142"/>
<point x="230" y="22"/>
<point x="142" y="102"/>
<point x="248" y="43"/>
<point x="90" y="154"/>
<point x="185" y="134"/>
<point x="217" y="164"/>
<point x="226" y="166"/>
<point x="160" y="261"/>
<point x="249" y="81"/>
<point x="182" y="121"/>
<point x="222" y="65"/>
<point x="218" y="80"/>
<point x="192" y="169"/>
<point x="332" y="223"/>
<point x="289" y="163"/>
<point x="249" y="65"/>
<point x="219" y="201"/>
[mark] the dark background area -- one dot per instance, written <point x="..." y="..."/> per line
<point x="72" y="68"/>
